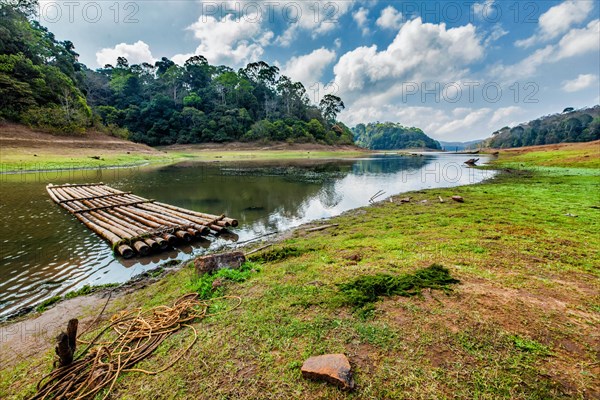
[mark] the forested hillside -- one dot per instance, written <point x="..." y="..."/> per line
<point x="392" y="136"/>
<point x="40" y="78"/>
<point x="569" y="126"/>
<point x="43" y="85"/>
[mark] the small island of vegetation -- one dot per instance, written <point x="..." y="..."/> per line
<point x="392" y="136"/>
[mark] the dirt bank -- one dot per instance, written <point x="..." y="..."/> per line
<point x="14" y="136"/>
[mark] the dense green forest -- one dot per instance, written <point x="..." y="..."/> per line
<point x="569" y="126"/>
<point x="43" y="85"/>
<point x="40" y="79"/>
<point x="392" y="136"/>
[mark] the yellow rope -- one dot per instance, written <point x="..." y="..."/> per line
<point x="138" y="334"/>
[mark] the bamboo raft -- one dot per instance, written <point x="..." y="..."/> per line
<point x="133" y="224"/>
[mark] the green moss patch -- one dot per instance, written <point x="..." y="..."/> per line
<point x="362" y="292"/>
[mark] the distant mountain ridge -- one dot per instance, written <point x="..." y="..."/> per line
<point x="571" y="125"/>
<point x="392" y="136"/>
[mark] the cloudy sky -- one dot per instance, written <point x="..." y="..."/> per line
<point x="458" y="70"/>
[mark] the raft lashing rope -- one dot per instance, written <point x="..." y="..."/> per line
<point x="132" y="337"/>
<point x="133" y="224"/>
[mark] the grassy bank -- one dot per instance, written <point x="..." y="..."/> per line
<point x="16" y="162"/>
<point x="24" y="159"/>
<point x="578" y="155"/>
<point x="521" y="324"/>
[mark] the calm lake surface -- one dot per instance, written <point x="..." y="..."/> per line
<point x="45" y="251"/>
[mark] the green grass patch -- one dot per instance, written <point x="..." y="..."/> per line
<point x="530" y="346"/>
<point x="213" y="285"/>
<point x="278" y="254"/>
<point x="47" y="303"/>
<point x="363" y="291"/>
<point x="89" y="289"/>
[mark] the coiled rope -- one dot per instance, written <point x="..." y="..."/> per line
<point x="135" y="335"/>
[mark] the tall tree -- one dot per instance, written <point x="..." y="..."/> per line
<point x="331" y="106"/>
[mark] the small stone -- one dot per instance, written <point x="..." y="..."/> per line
<point x="458" y="198"/>
<point x="215" y="262"/>
<point x="217" y="283"/>
<point x="405" y="200"/>
<point x="424" y="201"/>
<point x="355" y="257"/>
<point x="332" y="368"/>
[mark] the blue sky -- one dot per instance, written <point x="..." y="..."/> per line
<point x="458" y="70"/>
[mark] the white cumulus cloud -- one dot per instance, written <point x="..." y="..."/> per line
<point x="229" y="41"/>
<point x="309" y="68"/>
<point x="361" y="16"/>
<point x="558" y="20"/>
<point x="415" y="54"/>
<point x="390" y="18"/>
<point x="580" y="41"/>
<point x="583" y="81"/>
<point x="574" y="43"/>
<point x="486" y="9"/>
<point x="135" y="53"/>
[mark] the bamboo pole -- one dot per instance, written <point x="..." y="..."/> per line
<point x="102" y="196"/>
<point x="150" y="217"/>
<point x="173" y="219"/>
<point x="76" y="185"/>
<point x="123" y="249"/>
<point x="182" y="221"/>
<point x="178" y="233"/>
<point x="183" y="235"/>
<point x="127" y="235"/>
<point x="142" y="248"/>
<point x="125" y="222"/>
<point x="153" y="245"/>
<point x="155" y="226"/>
<point x="231" y="221"/>
<point x="109" y="218"/>
<point x="178" y="214"/>
<point x="140" y="224"/>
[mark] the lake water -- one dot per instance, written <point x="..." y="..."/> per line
<point x="45" y="251"/>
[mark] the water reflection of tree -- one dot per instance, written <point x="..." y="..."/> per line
<point x="329" y="196"/>
<point x="390" y="164"/>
